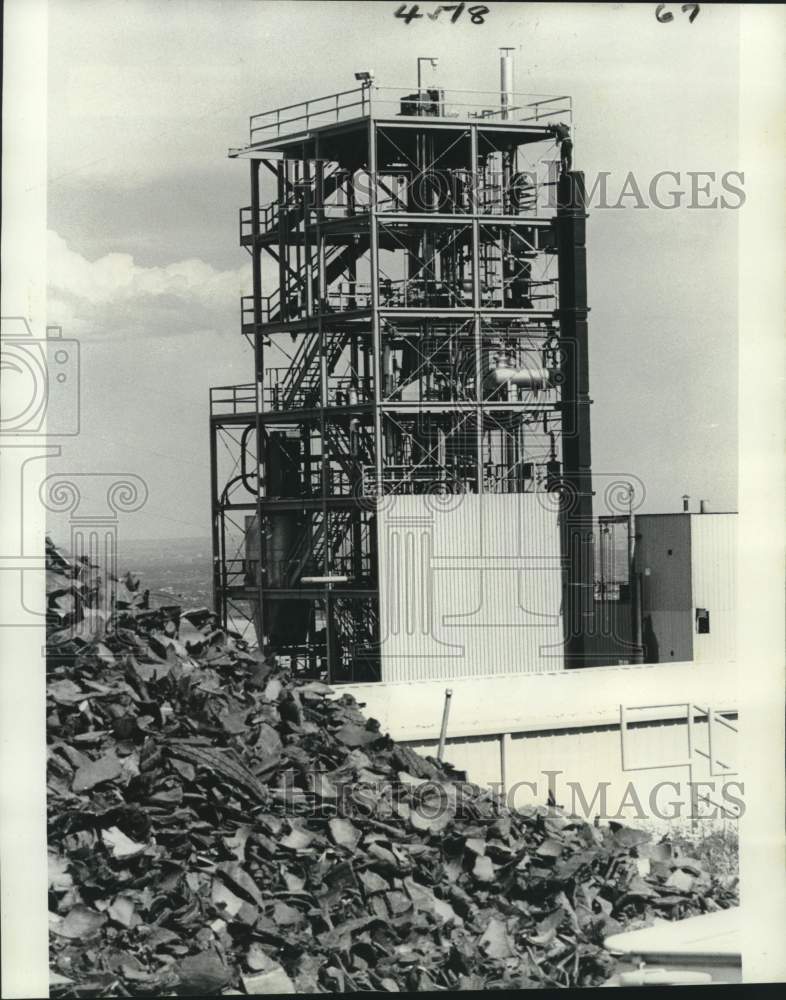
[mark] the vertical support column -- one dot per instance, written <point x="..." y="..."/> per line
<point x="218" y="555"/>
<point x="282" y="241"/>
<point x="577" y="535"/>
<point x="259" y="369"/>
<point x="324" y="477"/>
<point x="478" y="333"/>
<point x="323" y="381"/>
<point x="222" y="541"/>
<point x="623" y="733"/>
<point x="376" y="342"/>
<point x="634" y="586"/>
<point x="376" y="350"/>
<point x="309" y="202"/>
<point x="256" y="250"/>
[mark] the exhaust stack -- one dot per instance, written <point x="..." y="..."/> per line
<point x="506" y="89"/>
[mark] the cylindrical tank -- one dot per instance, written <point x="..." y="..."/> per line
<point x="285" y="621"/>
<point x="282" y="480"/>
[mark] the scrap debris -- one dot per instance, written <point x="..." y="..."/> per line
<point x="218" y="827"/>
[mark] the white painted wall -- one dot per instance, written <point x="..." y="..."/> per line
<point x="714" y="583"/>
<point x="469" y="586"/>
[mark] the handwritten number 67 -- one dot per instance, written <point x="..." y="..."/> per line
<point x="664" y="16"/>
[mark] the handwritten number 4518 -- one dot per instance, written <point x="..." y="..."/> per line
<point x="664" y="16"/>
<point x="476" y="13"/>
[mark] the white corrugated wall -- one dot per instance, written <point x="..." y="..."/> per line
<point x="469" y="587"/>
<point x="584" y="767"/>
<point x="568" y="721"/>
<point x="714" y="557"/>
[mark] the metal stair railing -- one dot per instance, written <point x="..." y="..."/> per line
<point x="313" y="548"/>
<point x="361" y="629"/>
<point x="340" y="450"/>
<point x="334" y="266"/>
<point x="306" y="370"/>
<point x="270" y="213"/>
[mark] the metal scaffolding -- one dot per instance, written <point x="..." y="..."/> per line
<point x="426" y="333"/>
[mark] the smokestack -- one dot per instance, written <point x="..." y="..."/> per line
<point x="685" y="503"/>
<point x="703" y="507"/>
<point x="506" y="80"/>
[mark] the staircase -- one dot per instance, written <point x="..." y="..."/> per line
<point x="300" y="386"/>
<point x="340" y="449"/>
<point x="359" y="631"/>
<point x="311" y="548"/>
<point x="295" y="208"/>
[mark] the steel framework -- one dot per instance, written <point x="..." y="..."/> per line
<point x="425" y="332"/>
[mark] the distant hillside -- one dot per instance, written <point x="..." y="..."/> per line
<point x="176" y="567"/>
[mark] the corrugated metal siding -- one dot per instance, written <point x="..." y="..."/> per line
<point x="666" y="590"/>
<point x="590" y="758"/>
<point x="469" y="589"/>
<point x="564" y="699"/>
<point x="714" y="556"/>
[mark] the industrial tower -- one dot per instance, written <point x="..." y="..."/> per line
<point x="419" y="325"/>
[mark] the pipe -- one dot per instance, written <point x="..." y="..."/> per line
<point x="506" y="81"/>
<point x="444" y="730"/>
<point x="703" y="507"/>
<point x="636" y="604"/>
<point x="529" y="378"/>
<point x="685" y="503"/>
<point x="504" y="745"/>
<point x="354" y="431"/>
<point x="526" y="378"/>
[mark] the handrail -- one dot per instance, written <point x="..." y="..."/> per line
<point x="233" y="399"/>
<point x="373" y="96"/>
<point x="312" y="100"/>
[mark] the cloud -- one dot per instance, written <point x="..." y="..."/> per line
<point x="113" y="296"/>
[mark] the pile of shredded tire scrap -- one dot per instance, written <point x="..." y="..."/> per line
<point x="216" y="827"/>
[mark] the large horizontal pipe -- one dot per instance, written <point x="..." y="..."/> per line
<point x="525" y="378"/>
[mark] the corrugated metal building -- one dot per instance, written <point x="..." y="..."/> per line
<point x="469" y="587"/>
<point x="688" y="573"/>
<point x="513" y="730"/>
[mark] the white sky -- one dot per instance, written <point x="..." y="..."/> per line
<point x="145" y="268"/>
